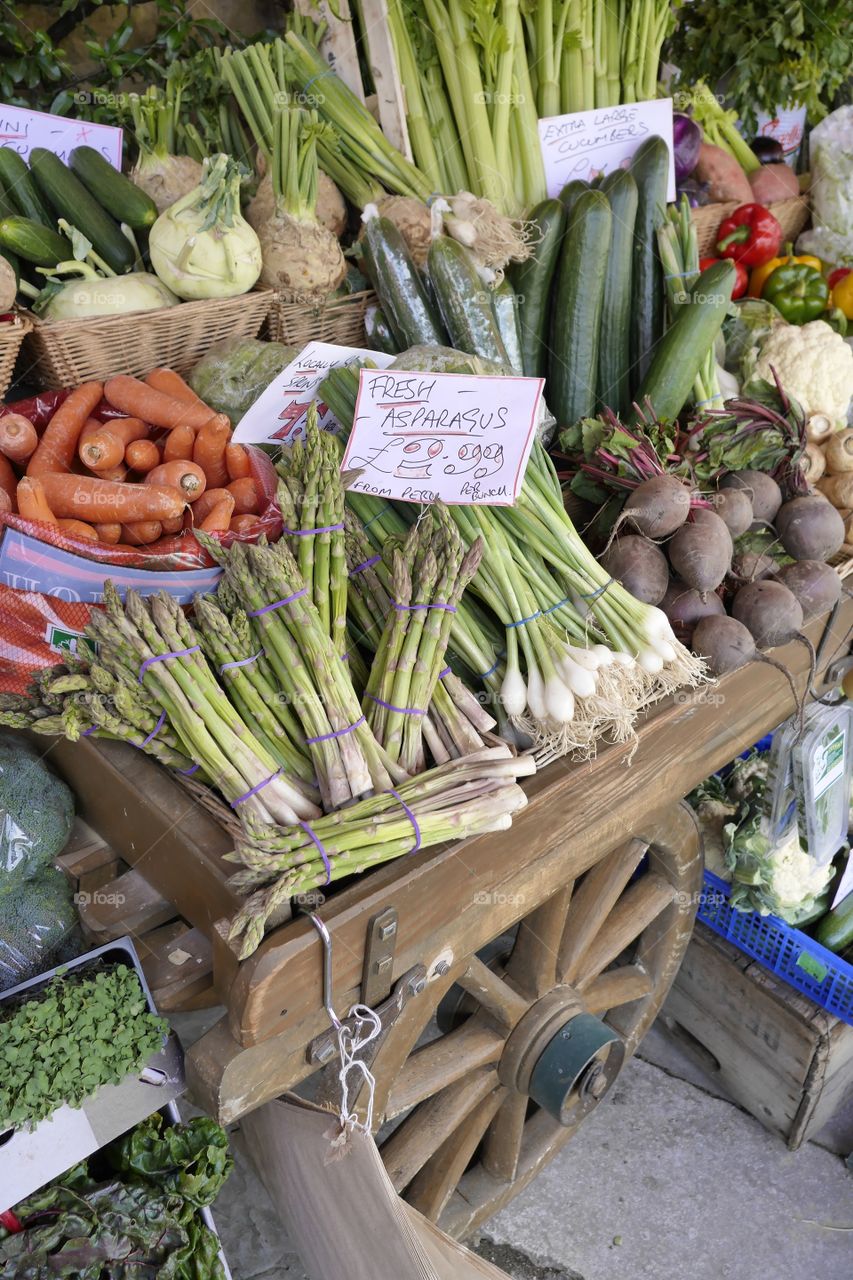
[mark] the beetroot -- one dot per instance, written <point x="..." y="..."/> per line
<point x="686" y="608"/>
<point x="658" y="506"/>
<point x="640" y="566"/>
<point x="769" y="611"/>
<point x="810" y="528"/>
<point x="815" y="585"/>
<point x="734" y="507"/>
<point x="724" y="643"/>
<point x="700" y="552"/>
<point x="763" y="490"/>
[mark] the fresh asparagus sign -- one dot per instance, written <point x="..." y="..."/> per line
<point x="464" y="439"/>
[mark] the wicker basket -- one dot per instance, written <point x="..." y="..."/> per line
<point x="792" y="214"/>
<point x="338" y="320"/>
<point x="12" y="335"/>
<point x="73" y="351"/>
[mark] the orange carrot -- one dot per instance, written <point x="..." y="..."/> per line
<point x="219" y="518"/>
<point x="108" y="532"/>
<point x="105" y="501"/>
<point x="58" y="445"/>
<point x="79" y="529"/>
<point x="209" y="450"/>
<point x="173" y="526"/>
<point x="245" y="496"/>
<point x="142" y="455"/>
<point x="141" y="532"/>
<point x="33" y="503"/>
<point x="8" y="479"/>
<point x="243" y="523"/>
<point x="203" y="506"/>
<point x="186" y="477"/>
<point x="112" y="473"/>
<point x="179" y="444"/>
<point x="161" y="410"/>
<point x="102" y="449"/>
<point x="237" y="462"/>
<point x="173" y="384"/>
<point x="18" y="437"/>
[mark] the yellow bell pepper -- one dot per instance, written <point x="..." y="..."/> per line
<point x="758" y="276"/>
<point x="842" y="295"/>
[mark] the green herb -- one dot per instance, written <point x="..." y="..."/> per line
<point x="76" y="1035"/>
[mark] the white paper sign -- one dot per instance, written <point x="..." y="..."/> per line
<point x="22" y="129"/>
<point x="587" y="143"/>
<point x="845" y="885"/>
<point x="459" y="437"/>
<point x="278" y="416"/>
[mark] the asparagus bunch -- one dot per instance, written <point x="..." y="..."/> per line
<point x="465" y="797"/>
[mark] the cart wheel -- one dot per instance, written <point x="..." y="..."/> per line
<point x="495" y="1065"/>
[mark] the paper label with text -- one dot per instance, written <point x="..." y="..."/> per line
<point x="22" y="129"/>
<point x="459" y="437"/>
<point x="278" y="416"/>
<point x="585" y="144"/>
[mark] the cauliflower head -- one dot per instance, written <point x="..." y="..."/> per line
<point x="814" y="364"/>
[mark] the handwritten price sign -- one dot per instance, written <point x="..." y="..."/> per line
<point x="422" y="436"/>
<point x="22" y="129"/>
<point x="584" y="144"/>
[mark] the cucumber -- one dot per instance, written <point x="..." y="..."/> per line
<point x="464" y="301"/>
<point x="20" y="187"/>
<point x="576" y="312"/>
<point x="506" y="315"/>
<point x="412" y="318"/>
<point x="679" y="354"/>
<point x="570" y="193"/>
<point x="650" y="168"/>
<point x="532" y="279"/>
<point x="835" y="930"/>
<point x="614" y="352"/>
<point x="116" y="193"/>
<point x="378" y="331"/>
<point x="73" y="202"/>
<point x="33" y="242"/>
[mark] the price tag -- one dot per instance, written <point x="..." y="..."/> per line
<point x="22" y="129"/>
<point x="278" y="415"/>
<point x="585" y="144"/>
<point x="462" y="438"/>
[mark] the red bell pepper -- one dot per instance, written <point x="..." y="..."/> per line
<point x="837" y="275"/>
<point x="741" y="275"/>
<point x="752" y="235"/>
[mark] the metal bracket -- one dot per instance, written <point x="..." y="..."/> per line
<point x="324" y="1048"/>
<point x="376" y="978"/>
<point x="837" y="670"/>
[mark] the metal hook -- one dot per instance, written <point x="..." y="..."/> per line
<point x="326" y="939"/>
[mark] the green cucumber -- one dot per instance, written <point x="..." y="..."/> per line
<point x="835" y="930"/>
<point x="20" y="187"/>
<point x="614" y="352"/>
<point x="410" y="314"/>
<point x="464" y="301"/>
<point x="650" y="169"/>
<point x="116" y="193"/>
<point x="576" y="312"/>
<point x="678" y="356"/>
<point x="378" y="331"/>
<point x="532" y="279"/>
<point x="570" y="193"/>
<point x="72" y="201"/>
<point x="33" y="242"/>
<point x="505" y="308"/>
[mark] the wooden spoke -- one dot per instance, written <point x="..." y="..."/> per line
<point x="533" y="963"/>
<point x="396" y="1046"/>
<point x="495" y="995"/>
<point x="617" y="986"/>
<point x="433" y="1186"/>
<point x="502" y="1145"/>
<point x="441" y="1062"/>
<point x="420" y="1135"/>
<point x="597" y="894"/>
<point x="636" y="909"/>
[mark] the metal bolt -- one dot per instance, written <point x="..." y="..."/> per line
<point x="384" y="964"/>
<point x="441" y="968"/>
<point x="598" y="1086"/>
<point x="387" y="931"/>
<point x="417" y="985"/>
<point x="324" y="1052"/>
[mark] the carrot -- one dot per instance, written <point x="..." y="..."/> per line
<point x="186" y="477"/>
<point x="8" y="480"/>
<point x="105" y="501"/>
<point x="203" y="506"/>
<point x="58" y="445"/>
<point x="245" y="496"/>
<point x="179" y="443"/>
<point x="33" y="502"/>
<point x="18" y="437"/>
<point x="209" y="450"/>
<point x="102" y="449"/>
<point x="108" y="532"/>
<point x="173" y="526"/>
<point x="141" y="532"/>
<point x="79" y="529"/>
<point x="237" y="462"/>
<point x="112" y="473"/>
<point x="161" y="410"/>
<point x="219" y="518"/>
<point x="142" y="455"/>
<point x="243" y="523"/>
<point x="173" y="384"/>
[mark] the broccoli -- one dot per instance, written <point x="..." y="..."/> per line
<point x="34" y="923"/>
<point x="36" y="812"/>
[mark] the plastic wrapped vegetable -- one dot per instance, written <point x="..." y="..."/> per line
<point x="37" y="811"/>
<point x="233" y="373"/>
<point x="35" y="923"/>
<point x="745" y="331"/>
<point x="831" y="159"/>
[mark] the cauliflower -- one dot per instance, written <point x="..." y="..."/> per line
<point x="814" y="364"/>
<point x="831" y="161"/>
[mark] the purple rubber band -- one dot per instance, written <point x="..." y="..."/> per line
<point x="277" y="604"/>
<point x="448" y="671"/>
<point x="161" y="657"/>
<point x="254" y="791"/>
<point x="410" y="816"/>
<point x="185" y="773"/>
<point x="241" y="662"/>
<point x="326" y="863"/>
<point x="308" y="533"/>
<point x="153" y="734"/>
<point x="402" y="711"/>
<point x="339" y="733"/>
<point x="93" y="729"/>
<point x="365" y="564"/>
<point x="410" y="608"/>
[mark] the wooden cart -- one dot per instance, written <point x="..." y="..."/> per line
<point x="515" y="973"/>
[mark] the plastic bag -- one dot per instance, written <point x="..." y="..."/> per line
<point x="831" y="161"/>
<point x="232" y="374"/>
<point x="36" y="812"/>
<point x="37" y="924"/>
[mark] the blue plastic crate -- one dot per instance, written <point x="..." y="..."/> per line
<point x="797" y="959"/>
